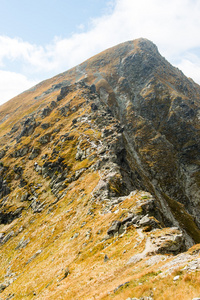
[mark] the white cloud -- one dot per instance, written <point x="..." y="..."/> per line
<point x="190" y="65"/>
<point x="173" y="25"/>
<point x="11" y="84"/>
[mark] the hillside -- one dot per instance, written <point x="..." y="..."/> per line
<point x="99" y="182"/>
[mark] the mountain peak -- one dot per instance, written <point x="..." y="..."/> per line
<point x="145" y="44"/>
<point x="99" y="180"/>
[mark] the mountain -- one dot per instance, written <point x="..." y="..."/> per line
<point x="99" y="182"/>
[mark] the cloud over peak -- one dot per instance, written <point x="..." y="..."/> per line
<point x="173" y="25"/>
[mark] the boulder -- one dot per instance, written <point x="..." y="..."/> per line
<point x="49" y="168"/>
<point x="37" y="206"/>
<point x="45" y="125"/>
<point x="94" y="107"/>
<point x="21" y="152"/>
<point x="128" y="219"/>
<point x="66" y="272"/>
<point x="3" y="286"/>
<point x="23" y="182"/>
<point x="34" y="153"/>
<point x="114" y="228"/>
<point x="18" y="170"/>
<point x="106" y="258"/>
<point x="2" y="153"/>
<point x="63" y="92"/>
<point x="93" y="88"/>
<point x="45" y="138"/>
<point x="4" y="189"/>
<point x="25" y="197"/>
<point x="64" y="110"/>
<point x="28" y="127"/>
<point x="8" y="217"/>
<point x="7" y="237"/>
<point x="53" y="104"/>
<point x="170" y="242"/>
<point x="146" y="221"/>
<point x="80" y="154"/>
<point x="37" y="168"/>
<point x="45" y="112"/>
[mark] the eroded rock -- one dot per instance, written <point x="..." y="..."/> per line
<point x="45" y="138"/>
<point x="46" y="112"/>
<point x="7" y="217"/>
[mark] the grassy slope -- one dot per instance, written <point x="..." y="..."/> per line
<point x="52" y="230"/>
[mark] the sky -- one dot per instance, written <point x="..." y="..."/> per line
<point x="42" y="38"/>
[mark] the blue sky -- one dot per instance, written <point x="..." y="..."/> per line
<point x="39" y="22"/>
<point x="39" y="39"/>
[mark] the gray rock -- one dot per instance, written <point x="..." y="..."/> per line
<point x="37" y="206"/>
<point x="128" y="219"/>
<point x="23" y="182"/>
<point x="45" y="112"/>
<point x="79" y="172"/>
<point x="21" y="152"/>
<point x="28" y="127"/>
<point x="193" y="265"/>
<point x="135" y="219"/>
<point x="49" y="168"/>
<point x="106" y="132"/>
<point x="168" y="243"/>
<point x="114" y="228"/>
<point x="34" y="256"/>
<point x="45" y="125"/>
<point x="106" y="258"/>
<point x="145" y="221"/>
<point x="8" y="217"/>
<point x="121" y="285"/>
<point x="45" y="138"/>
<point x="37" y="168"/>
<point x="66" y="272"/>
<point x="64" y="92"/>
<point x="18" y="170"/>
<point x="176" y="278"/>
<point x="94" y="107"/>
<point x="81" y="154"/>
<point x="83" y="224"/>
<point x="74" y="236"/>
<point x="151" y="223"/>
<point x="23" y="243"/>
<point x="57" y="187"/>
<point x="25" y="197"/>
<point x="3" y="286"/>
<point x="1" y="237"/>
<point x="93" y="88"/>
<point x="4" y="189"/>
<point x="64" y="110"/>
<point x="2" y="153"/>
<point x="34" y="153"/>
<point x="53" y="104"/>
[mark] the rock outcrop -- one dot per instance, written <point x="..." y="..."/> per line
<point x="100" y="171"/>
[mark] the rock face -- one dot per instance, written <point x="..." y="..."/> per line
<point x="159" y="110"/>
<point x="106" y="152"/>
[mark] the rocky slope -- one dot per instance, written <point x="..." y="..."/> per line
<point x="99" y="182"/>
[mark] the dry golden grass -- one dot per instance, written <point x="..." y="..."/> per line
<point x="53" y="231"/>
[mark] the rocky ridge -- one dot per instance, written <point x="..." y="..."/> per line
<point x="102" y="163"/>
